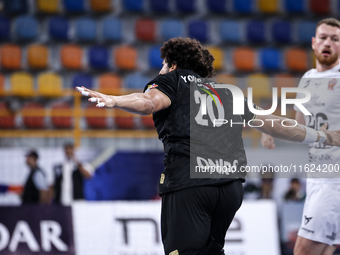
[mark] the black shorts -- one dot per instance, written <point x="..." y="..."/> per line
<point x="195" y="220"/>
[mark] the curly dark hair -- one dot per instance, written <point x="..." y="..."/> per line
<point x="188" y="54"/>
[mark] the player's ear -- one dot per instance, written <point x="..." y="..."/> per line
<point x="173" y="66"/>
<point x="313" y="42"/>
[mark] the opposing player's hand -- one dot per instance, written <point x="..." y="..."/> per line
<point x="100" y="99"/>
<point x="333" y="137"/>
<point x="267" y="141"/>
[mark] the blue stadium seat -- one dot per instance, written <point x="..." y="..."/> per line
<point x="294" y="6"/>
<point x="256" y="31"/>
<point x="270" y="59"/>
<point x="133" y="5"/>
<point x="26" y="28"/>
<point x="5" y="28"/>
<point x="243" y="6"/>
<point x="74" y="6"/>
<point x="230" y="31"/>
<point x="198" y="29"/>
<point x="14" y="7"/>
<point x="217" y="6"/>
<point x="159" y="6"/>
<point x="99" y="57"/>
<point x="86" y="29"/>
<point x="112" y="29"/>
<point x="282" y="31"/>
<point x="171" y="28"/>
<point x="136" y="81"/>
<point x="306" y="30"/>
<point x="58" y="28"/>
<point x="186" y="6"/>
<point x="82" y="79"/>
<point x="155" y="60"/>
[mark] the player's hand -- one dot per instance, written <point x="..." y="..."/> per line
<point x="333" y="137"/>
<point x="267" y="141"/>
<point x="100" y="99"/>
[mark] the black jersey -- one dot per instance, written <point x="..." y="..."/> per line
<point x="191" y="140"/>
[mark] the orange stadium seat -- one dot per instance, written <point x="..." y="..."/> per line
<point x="296" y="59"/>
<point x="71" y="56"/>
<point x="218" y="54"/>
<point x="126" y="57"/>
<point x="124" y="120"/>
<point x="268" y="6"/>
<point x="95" y="117"/>
<point x="37" y="56"/>
<point x="22" y="84"/>
<point x="48" y="6"/>
<point x="10" y="56"/>
<point x="61" y="115"/>
<point x="109" y="83"/>
<point x="33" y="115"/>
<point x="261" y="85"/>
<point x="244" y="59"/>
<point x="7" y="118"/>
<point x="50" y="85"/>
<point x="147" y="121"/>
<point x="145" y="29"/>
<point x="2" y="85"/>
<point x="100" y="5"/>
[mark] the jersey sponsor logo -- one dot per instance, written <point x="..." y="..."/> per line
<point x="332" y="237"/>
<point x="308" y="230"/>
<point x="151" y="87"/>
<point x="161" y="181"/>
<point x="175" y="252"/>
<point x="306" y="84"/>
<point x="332" y="83"/>
<point x="307" y="219"/>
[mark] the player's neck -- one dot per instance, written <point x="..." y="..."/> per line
<point x="323" y="68"/>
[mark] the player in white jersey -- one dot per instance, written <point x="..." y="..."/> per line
<point x="320" y="226"/>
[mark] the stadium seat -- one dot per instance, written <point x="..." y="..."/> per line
<point x="86" y="29"/>
<point x="198" y="29"/>
<point x="145" y="29"/>
<point x="7" y="118"/>
<point x="95" y="117"/>
<point x="159" y="6"/>
<point x="187" y="6"/>
<point x="261" y="86"/>
<point x="15" y="7"/>
<point x="136" y="81"/>
<point x="171" y="28"/>
<point x="244" y="59"/>
<point x="109" y="83"/>
<point x="71" y="56"/>
<point x="61" y="115"/>
<point x="26" y="28"/>
<point x="2" y="85"/>
<point x="270" y="59"/>
<point x="147" y="121"/>
<point x="99" y="57"/>
<point x="296" y="59"/>
<point x="5" y="28"/>
<point x="33" y="115"/>
<point x="266" y="6"/>
<point x="126" y="57"/>
<point x="133" y="5"/>
<point x="82" y="79"/>
<point x="58" y="28"/>
<point x="48" y="6"/>
<point x="282" y="31"/>
<point x="112" y="29"/>
<point x="294" y="6"/>
<point x="284" y="80"/>
<point x="100" y="5"/>
<point x="50" y="85"/>
<point x="217" y="6"/>
<point x="124" y="120"/>
<point x="242" y="6"/>
<point x="218" y="54"/>
<point x="320" y="7"/>
<point x="155" y="60"/>
<point x="226" y="79"/>
<point x="230" y="31"/>
<point x="306" y="30"/>
<point x="256" y="31"/>
<point x="74" y="6"/>
<point x="10" y="56"/>
<point x="22" y="84"/>
<point x="37" y="56"/>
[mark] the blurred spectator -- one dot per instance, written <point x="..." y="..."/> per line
<point x="36" y="188"/>
<point x="69" y="178"/>
<point x="294" y="192"/>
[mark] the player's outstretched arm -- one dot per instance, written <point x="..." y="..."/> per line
<point x="137" y="103"/>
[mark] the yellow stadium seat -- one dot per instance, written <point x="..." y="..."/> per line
<point x="261" y="86"/>
<point x="37" y="56"/>
<point x="218" y="55"/>
<point x="268" y="6"/>
<point x="22" y="84"/>
<point x="48" y="6"/>
<point x="50" y="85"/>
<point x="100" y="5"/>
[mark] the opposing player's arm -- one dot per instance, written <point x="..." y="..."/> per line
<point x="137" y="103"/>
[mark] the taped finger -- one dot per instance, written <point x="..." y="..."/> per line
<point x="93" y="99"/>
<point x="100" y="104"/>
<point x="84" y="93"/>
<point x="80" y="89"/>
